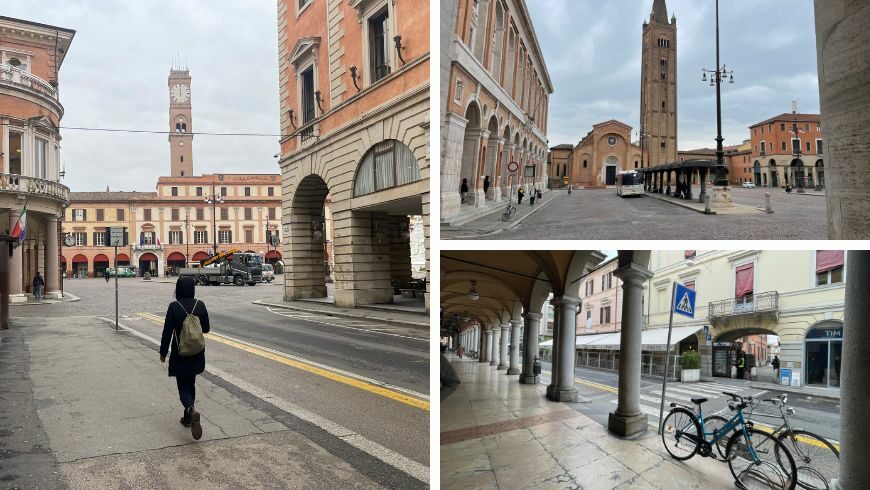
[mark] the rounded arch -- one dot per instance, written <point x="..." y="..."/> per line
<point x="506" y="134"/>
<point x="199" y="256"/>
<point x="307" y="239"/>
<point x="123" y="258"/>
<point x="101" y="258"/>
<point x="79" y="259"/>
<point x="820" y="163"/>
<point x="148" y="256"/>
<point x="385" y="165"/>
<point x="472" y="114"/>
<point x="175" y="256"/>
<point x="773" y="163"/>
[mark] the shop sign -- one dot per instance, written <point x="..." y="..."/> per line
<point x="826" y="334"/>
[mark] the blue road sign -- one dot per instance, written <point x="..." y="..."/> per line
<point x="684" y="301"/>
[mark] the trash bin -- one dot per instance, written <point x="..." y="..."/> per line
<point x="536" y="368"/>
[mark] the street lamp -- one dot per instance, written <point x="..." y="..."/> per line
<point x="214" y="199"/>
<point x="187" y="236"/>
<point x="716" y="78"/>
<point x="796" y="152"/>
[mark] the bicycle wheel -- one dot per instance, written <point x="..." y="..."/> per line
<point x="716" y="422"/>
<point x="761" y="461"/>
<point x="681" y="433"/>
<point x="817" y="460"/>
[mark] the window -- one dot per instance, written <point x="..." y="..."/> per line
<point x="81" y="238"/>
<point x="819" y="127"/>
<point x="174" y="214"/>
<point x="225" y="213"/>
<point x="796" y="146"/>
<point x="247" y="192"/>
<point x="744" y="283"/>
<point x="604" y="315"/>
<point x="809" y="147"/>
<point x="584" y="163"/>
<point x="829" y="267"/>
<point x="146" y="214"/>
<point x="387" y="164"/>
<point x="120" y="214"/>
<point x="200" y="214"/>
<point x="763" y="149"/>
<point x="40" y="158"/>
<point x="249" y="214"/>
<point x="271" y="191"/>
<point x="303" y="4"/>
<point x="175" y="191"/>
<point x="607" y="281"/>
<point x="15" y="153"/>
<point x="175" y="237"/>
<point x="78" y="215"/>
<point x="782" y="126"/>
<point x="100" y="238"/>
<point x="199" y="191"/>
<point x="224" y="236"/>
<point x="806" y="128"/>
<point x="273" y="212"/>
<point x="224" y="191"/>
<point x="820" y="149"/>
<point x="200" y="237"/>
<point x="379" y="45"/>
<point x="249" y="236"/>
<point x="663" y="144"/>
<point x="783" y="146"/>
<point x="147" y="238"/>
<point x="307" y="81"/>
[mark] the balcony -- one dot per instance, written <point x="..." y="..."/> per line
<point x="760" y="306"/>
<point x="149" y="247"/>
<point x="20" y="184"/>
<point x="16" y="76"/>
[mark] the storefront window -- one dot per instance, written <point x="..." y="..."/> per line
<point x="823" y="352"/>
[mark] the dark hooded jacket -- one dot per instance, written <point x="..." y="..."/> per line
<point x="179" y="365"/>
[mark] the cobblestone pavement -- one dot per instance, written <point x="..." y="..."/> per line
<point x="602" y="215"/>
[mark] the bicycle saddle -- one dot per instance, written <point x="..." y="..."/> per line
<point x="698" y="401"/>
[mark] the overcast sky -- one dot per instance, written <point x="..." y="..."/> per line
<point x="115" y="76"/>
<point x="593" y="50"/>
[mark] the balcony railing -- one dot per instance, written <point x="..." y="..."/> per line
<point x="756" y="303"/>
<point x="34" y="186"/>
<point x="17" y="76"/>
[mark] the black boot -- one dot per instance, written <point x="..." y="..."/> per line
<point x="195" y="427"/>
<point x="185" y="420"/>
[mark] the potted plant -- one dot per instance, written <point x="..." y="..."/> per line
<point x="147" y="276"/>
<point x="690" y="362"/>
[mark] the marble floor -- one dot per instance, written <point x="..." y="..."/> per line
<point x="499" y="434"/>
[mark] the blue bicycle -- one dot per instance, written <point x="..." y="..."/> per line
<point x="756" y="459"/>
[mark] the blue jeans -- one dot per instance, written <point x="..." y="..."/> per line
<point x="37" y="292"/>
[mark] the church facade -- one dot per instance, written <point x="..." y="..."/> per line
<point x="596" y="161"/>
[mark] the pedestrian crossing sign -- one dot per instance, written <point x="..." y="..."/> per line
<point x="684" y="301"/>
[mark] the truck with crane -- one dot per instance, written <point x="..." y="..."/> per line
<point x="228" y="267"/>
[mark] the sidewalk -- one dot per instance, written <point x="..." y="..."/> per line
<point x="497" y="433"/>
<point x="492" y="223"/>
<point x="700" y="207"/>
<point x="391" y="316"/>
<point x="92" y="407"/>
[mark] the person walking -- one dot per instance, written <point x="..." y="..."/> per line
<point x="464" y="190"/>
<point x="741" y="365"/>
<point x="182" y="314"/>
<point x="520" y="194"/>
<point x="106" y="274"/>
<point x="38" y="285"/>
<point x="775" y="364"/>
<point x="485" y="185"/>
<point x="569" y="189"/>
<point x="532" y="196"/>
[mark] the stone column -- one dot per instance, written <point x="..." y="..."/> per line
<point x="503" y="348"/>
<point x="854" y="377"/>
<point x="661" y="182"/>
<point x="16" y="294"/>
<point x="628" y="419"/>
<point x="485" y="345"/>
<point x="689" y="174"/>
<point x="842" y="38"/>
<point x="504" y="179"/>
<point x="516" y="335"/>
<point x="554" y="354"/>
<point x="496" y="341"/>
<point x="52" y="271"/>
<point x="668" y="192"/>
<point x="451" y="164"/>
<point x="483" y="155"/>
<point x="703" y="177"/>
<point x="565" y="391"/>
<point x="530" y="347"/>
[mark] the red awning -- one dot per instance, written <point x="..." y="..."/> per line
<point x="689" y="254"/>
<point x="148" y="256"/>
<point x="177" y="256"/>
<point x="80" y="259"/>
<point x="101" y="258"/>
<point x="828" y="259"/>
<point x="63" y="259"/>
<point x="123" y="258"/>
<point x="199" y="256"/>
<point x="273" y="254"/>
<point x="745" y="279"/>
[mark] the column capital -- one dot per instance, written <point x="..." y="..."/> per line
<point x="633" y="275"/>
<point x="505" y="326"/>
<point x="533" y="316"/>
<point x="516" y="323"/>
<point x="570" y="301"/>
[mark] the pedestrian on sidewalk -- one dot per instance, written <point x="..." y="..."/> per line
<point x="741" y="365"/>
<point x="464" y="190"/>
<point x="185" y="367"/>
<point x="532" y="196"/>
<point x="775" y="365"/>
<point x="520" y="194"/>
<point x="38" y="285"/>
<point x="569" y="189"/>
<point x="106" y="274"/>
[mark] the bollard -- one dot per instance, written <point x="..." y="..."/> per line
<point x="767" y="208"/>
<point x="708" y="204"/>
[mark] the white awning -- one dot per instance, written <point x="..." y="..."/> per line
<point x="653" y="339"/>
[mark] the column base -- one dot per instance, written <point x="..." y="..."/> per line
<point x="627" y="425"/>
<point x="17" y="298"/>
<point x="528" y="380"/>
<point x="482" y="360"/>
<point x="502" y="367"/>
<point x="513" y="371"/>
<point x="563" y="395"/>
<point x="493" y="363"/>
<point x="550" y="389"/>
<point x="53" y="295"/>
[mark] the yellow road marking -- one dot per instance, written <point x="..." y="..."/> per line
<point x="804" y="439"/>
<point x="590" y="383"/>
<point x="393" y="395"/>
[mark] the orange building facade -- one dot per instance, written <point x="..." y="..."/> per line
<point x="354" y="102"/>
<point x="789" y="149"/>
<point x="495" y="91"/>
<point x="31" y="55"/>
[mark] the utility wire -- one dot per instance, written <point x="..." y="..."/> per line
<point x="145" y="131"/>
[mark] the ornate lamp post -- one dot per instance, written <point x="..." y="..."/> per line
<point x="716" y="77"/>
<point x="187" y="236"/>
<point x="798" y="172"/>
<point x="214" y="199"/>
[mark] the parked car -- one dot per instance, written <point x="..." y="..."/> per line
<point x="123" y="272"/>
<point x="749" y="185"/>
<point x="268" y="273"/>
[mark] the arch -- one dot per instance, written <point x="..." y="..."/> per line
<point x="273" y="254"/>
<point x="148" y="256"/>
<point x="307" y="239"/>
<point x="80" y="259"/>
<point x="385" y="165"/>
<point x="774" y="174"/>
<point x="175" y="256"/>
<point x="472" y="114"/>
<point x="798" y="174"/>
<point x="123" y="259"/>
<point x="80" y="265"/>
<point x="101" y="258"/>
<point x="199" y="256"/>
<point x="756" y="172"/>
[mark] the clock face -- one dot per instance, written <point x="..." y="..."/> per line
<point x="180" y="93"/>
<point x="69" y="240"/>
<point x="611" y="140"/>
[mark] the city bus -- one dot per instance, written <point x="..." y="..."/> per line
<point x="629" y="184"/>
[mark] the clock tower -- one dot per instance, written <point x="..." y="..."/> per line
<point x="180" y="124"/>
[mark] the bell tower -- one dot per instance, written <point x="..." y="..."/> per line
<point x="658" y="89"/>
<point x="180" y="124"/>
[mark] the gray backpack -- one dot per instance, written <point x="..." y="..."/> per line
<point x="190" y="340"/>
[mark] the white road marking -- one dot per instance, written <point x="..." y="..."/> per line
<point x="388" y="456"/>
<point x="349" y="327"/>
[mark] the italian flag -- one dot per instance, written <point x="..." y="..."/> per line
<point x="20" y="231"/>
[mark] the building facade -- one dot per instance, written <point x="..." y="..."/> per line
<point x="31" y="55"/>
<point x="744" y="296"/>
<point x="185" y="220"/>
<point x="788" y="149"/>
<point x="737" y="160"/>
<point x="601" y="293"/>
<point x="354" y="102"/>
<point x="658" y="90"/>
<point x="495" y="103"/>
<point x="597" y="159"/>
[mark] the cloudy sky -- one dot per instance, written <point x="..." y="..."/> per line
<point x="592" y="51"/>
<point x="115" y="76"/>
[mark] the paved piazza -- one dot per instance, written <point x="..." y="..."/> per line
<point x="602" y="215"/>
